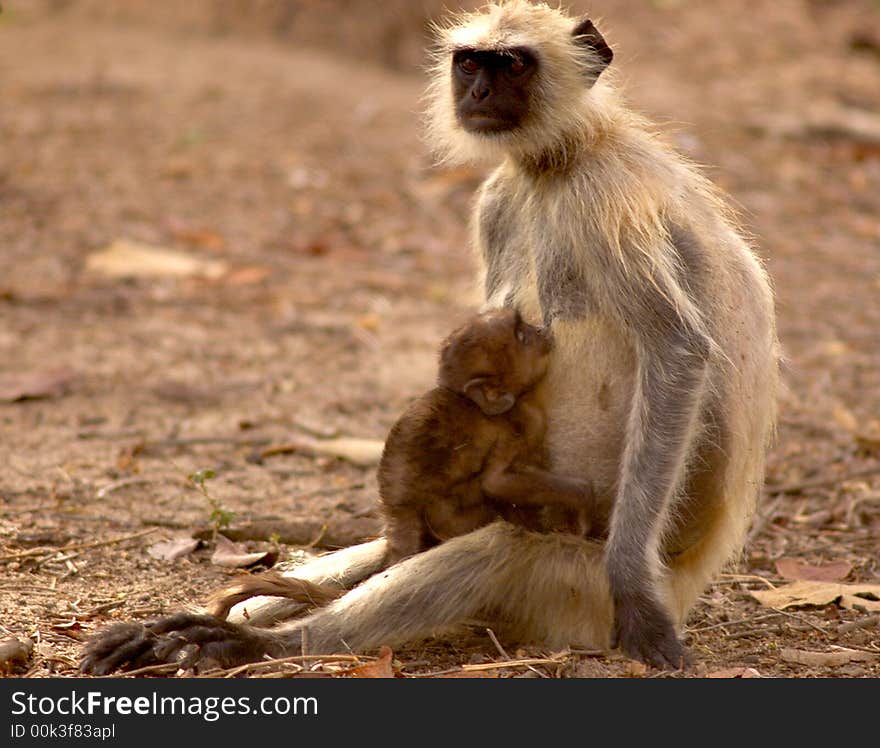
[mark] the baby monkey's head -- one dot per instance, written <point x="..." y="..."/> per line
<point x="493" y="358"/>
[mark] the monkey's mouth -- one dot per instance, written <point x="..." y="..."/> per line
<point x="545" y="336"/>
<point x="486" y="124"/>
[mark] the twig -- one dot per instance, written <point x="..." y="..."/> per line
<point x="434" y="673"/>
<point x="497" y="644"/>
<point x="317" y="431"/>
<point x="109" y="435"/>
<point x="871" y="650"/>
<point x="77" y="546"/>
<point x="102" y="608"/>
<point x="799" y="486"/>
<point x="764" y="517"/>
<point x="165" y="667"/>
<point x="588" y="652"/>
<point x="249" y="441"/>
<point x="740" y="622"/>
<point x="317" y="538"/>
<point x="775" y="629"/>
<point x="304" y="635"/>
<point x="796" y="617"/>
<point x="859" y="623"/>
<point x="110" y="487"/>
<point x="244" y="441"/>
<point x="746" y="578"/>
<point x="29" y="587"/>
<point x="515" y="663"/>
<point x="263" y="664"/>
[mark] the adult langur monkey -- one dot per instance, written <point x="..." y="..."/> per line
<point x="661" y="390"/>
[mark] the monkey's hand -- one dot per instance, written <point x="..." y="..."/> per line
<point x="644" y="631"/>
<point x="193" y="641"/>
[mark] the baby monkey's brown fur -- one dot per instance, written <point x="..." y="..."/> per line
<point x="465" y="453"/>
<point x="472" y="449"/>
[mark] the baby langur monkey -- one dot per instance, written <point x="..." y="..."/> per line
<point x="471" y="450"/>
<point x="466" y="453"/>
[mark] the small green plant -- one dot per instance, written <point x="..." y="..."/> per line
<point x="220" y="517"/>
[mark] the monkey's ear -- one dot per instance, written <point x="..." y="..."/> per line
<point x="588" y="35"/>
<point x="489" y="399"/>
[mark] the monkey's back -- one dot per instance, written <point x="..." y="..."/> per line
<point x="431" y="469"/>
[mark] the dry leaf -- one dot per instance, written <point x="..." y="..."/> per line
<point x="835" y="348"/>
<point x="851" y="602"/>
<point x="234" y="556"/>
<point x="169" y="550"/>
<point x="735" y="672"/>
<point x="368" y="322"/>
<point x="35" y="384"/>
<point x="247" y="276"/>
<point x="869" y="438"/>
<point x="793" y="568"/>
<point x="439" y="183"/>
<point x="845" y="418"/>
<point x="361" y="452"/>
<point x="127" y="259"/>
<point x="636" y="669"/>
<point x="184" y="392"/>
<point x="195" y="237"/>
<point x="824" y="121"/>
<point x="814" y="593"/>
<point x="380" y="668"/>
<point x="829" y="659"/>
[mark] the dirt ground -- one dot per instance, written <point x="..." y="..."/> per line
<point x="330" y="258"/>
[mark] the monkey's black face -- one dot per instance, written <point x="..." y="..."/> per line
<point x="492" y="89"/>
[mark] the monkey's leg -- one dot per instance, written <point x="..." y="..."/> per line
<point x="548" y="588"/>
<point x="534" y="587"/>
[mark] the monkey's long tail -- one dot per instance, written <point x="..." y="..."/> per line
<point x="331" y="574"/>
<point x="271" y="584"/>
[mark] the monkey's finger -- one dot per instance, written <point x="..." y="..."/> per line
<point x="180" y="622"/>
<point x="666" y="653"/>
<point x="118" y="646"/>
<point x="202" y="647"/>
<point x="229" y="653"/>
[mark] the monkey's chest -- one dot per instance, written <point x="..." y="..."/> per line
<point x="586" y="394"/>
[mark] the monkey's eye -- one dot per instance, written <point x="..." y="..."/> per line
<point x="468" y="65"/>
<point x="521" y="335"/>
<point x="517" y="66"/>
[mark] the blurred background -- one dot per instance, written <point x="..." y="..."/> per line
<point x="221" y="236"/>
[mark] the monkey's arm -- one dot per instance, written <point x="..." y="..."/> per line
<point x="532" y="486"/>
<point x="669" y="392"/>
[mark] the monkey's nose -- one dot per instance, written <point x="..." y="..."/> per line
<point x="480" y="91"/>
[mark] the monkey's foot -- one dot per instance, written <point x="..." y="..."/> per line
<point x="192" y="641"/>
<point x="645" y="632"/>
